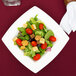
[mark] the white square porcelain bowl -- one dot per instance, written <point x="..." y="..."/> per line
<point x="35" y="66"/>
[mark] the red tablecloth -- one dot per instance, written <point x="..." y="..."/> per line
<point x="63" y="65"/>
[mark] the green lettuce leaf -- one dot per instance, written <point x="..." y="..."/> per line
<point x="24" y="37"/>
<point x="39" y="33"/>
<point x="22" y="30"/>
<point x="35" y="18"/>
<point x="42" y="51"/>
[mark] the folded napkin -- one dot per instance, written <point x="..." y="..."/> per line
<point x="68" y="22"/>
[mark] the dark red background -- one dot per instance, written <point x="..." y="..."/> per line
<point x="63" y="65"/>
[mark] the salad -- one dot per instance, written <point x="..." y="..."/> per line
<point x="34" y="39"/>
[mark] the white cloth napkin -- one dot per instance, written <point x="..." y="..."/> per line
<point x="68" y="22"/>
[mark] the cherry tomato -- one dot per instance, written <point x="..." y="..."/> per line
<point x="33" y="43"/>
<point x="29" y="31"/>
<point x="52" y="38"/>
<point x="18" y="41"/>
<point x="44" y="46"/>
<point x="41" y="26"/>
<point x="36" y="57"/>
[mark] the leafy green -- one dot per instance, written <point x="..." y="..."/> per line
<point x="37" y="25"/>
<point x="27" y="37"/>
<point x="22" y="30"/>
<point x="32" y="53"/>
<point x="32" y="20"/>
<point x="29" y="46"/>
<point x="35" y="18"/>
<point x="27" y="54"/>
<point x="24" y="38"/>
<point x="39" y="33"/>
<point x="45" y="29"/>
<point x="42" y="51"/>
<point x="47" y="41"/>
<point x="28" y="51"/>
<point x="28" y="24"/>
<point x="50" y="45"/>
<point x="48" y="34"/>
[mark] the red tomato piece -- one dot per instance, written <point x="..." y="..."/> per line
<point x="33" y="43"/>
<point x="18" y="41"/>
<point x="52" y="38"/>
<point x="41" y="26"/>
<point x="36" y="57"/>
<point x="44" y="46"/>
<point x="29" y="31"/>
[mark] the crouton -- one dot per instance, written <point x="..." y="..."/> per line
<point x="37" y="37"/>
<point x="24" y="25"/>
<point x="25" y="43"/>
<point x="42" y="40"/>
<point x="32" y="36"/>
<point x="33" y="27"/>
<point x="22" y="47"/>
<point x="35" y="48"/>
